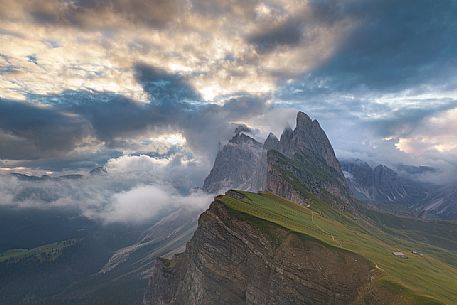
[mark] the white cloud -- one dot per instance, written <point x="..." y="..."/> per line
<point x="143" y="202"/>
<point x="134" y="189"/>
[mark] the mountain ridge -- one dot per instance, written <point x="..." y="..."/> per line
<point x="246" y="251"/>
<point x="396" y="190"/>
<point x="262" y="169"/>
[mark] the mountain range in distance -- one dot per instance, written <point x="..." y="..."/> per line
<point x="290" y="231"/>
<point x="242" y="164"/>
<point x="295" y="226"/>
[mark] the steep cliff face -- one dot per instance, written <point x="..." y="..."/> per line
<point x="235" y="165"/>
<point x="308" y="138"/>
<point x="236" y="259"/>
<point x="303" y="156"/>
<point x="164" y="238"/>
<point x="305" y="163"/>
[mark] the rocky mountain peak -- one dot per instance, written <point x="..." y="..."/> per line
<point x="303" y="121"/>
<point x="310" y="139"/>
<point x="241" y="138"/>
<point x="382" y="185"/>
<point x="271" y="142"/>
<point x="302" y="154"/>
<point x="235" y="165"/>
<point x="382" y="172"/>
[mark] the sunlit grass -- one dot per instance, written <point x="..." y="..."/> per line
<point x="417" y="278"/>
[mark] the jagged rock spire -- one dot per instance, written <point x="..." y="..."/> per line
<point x="303" y="121"/>
<point x="247" y="165"/>
<point x="271" y="142"/>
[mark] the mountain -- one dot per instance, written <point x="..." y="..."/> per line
<point x="55" y="256"/>
<point x="319" y="247"/>
<point x="416" y="170"/>
<point x="398" y="191"/>
<point x="301" y="162"/>
<point x="98" y="171"/>
<point x="305" y="164"/>
<point x="164" y="238"/>
<point x="235" y="165"/>
<point x="442" y="203"/>
<point x="261" y="249"/>
<point x="383" y="185"/>
<point x="230" y="260"/>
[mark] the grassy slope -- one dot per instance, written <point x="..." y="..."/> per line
<point x="418" y="279"/>
<point x="48" y="252"/>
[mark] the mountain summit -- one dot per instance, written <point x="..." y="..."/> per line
<point x="234" y="165"/>
<point x="301" y="162"/>
<point x="309" y="138"/>
<point x="318" y="247"/>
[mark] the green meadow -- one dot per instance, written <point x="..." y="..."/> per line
<point x="427" y="277"/>
<point x="48" y="252"/>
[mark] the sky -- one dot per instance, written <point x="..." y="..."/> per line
<point x="87" y="83"/>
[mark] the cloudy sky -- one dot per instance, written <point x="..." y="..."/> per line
<point x="85" y="82"/>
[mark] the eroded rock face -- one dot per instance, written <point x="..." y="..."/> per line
<point x="237" y="259"/>
<point x="309" y="138"/>
<point x="164" y="238"/>
<point x="235" y="165"/>
<point x="306" y="156"/>
<point x="305" y="163"/>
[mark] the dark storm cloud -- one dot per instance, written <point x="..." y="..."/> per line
<point x="92" y="14"/>
<point x="395" y="45"/>
<point x="30" y="132"/>
<point x="288" y="33"/>
<point x="79" y="161"/>
<point x="245" y="104"/>
<point x="299" y="28"/>
<point x="11" y="33"/>
<point x="218" y="8"/>
<point x="8" y="69"/>
<point x="162" y="86"/>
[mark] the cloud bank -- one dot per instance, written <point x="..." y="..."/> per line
<point x="133" y="190"/>
<point x="85" y="81"/>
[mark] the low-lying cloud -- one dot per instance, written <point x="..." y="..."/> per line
<point x="142" y="202"/>
<point x="133" y="190"/>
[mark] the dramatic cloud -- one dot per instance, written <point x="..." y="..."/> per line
<point x="85" y="81"/>
<point x="143" y="202"/>
<point x="134" y="189"/>
<point x="93" y="13"/>
<point x="395" y="46"/>
<point x="78" y="121"/>
<point x="30" y="132"/>
<point x="288" y="33"/>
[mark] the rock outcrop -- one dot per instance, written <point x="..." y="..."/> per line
<point x="303" y="156"/>
<point x="305" y="163"/>
<point x="238" y="259"/>
<point x="235" y="165"/>
<point x="308" y="138"/>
